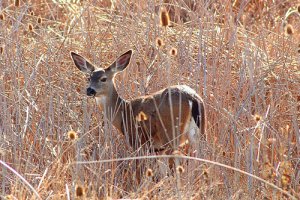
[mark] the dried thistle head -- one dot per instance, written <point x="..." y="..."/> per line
<point x="159" y="42"/>
<point x="30" y="27"/>
<point x="285" y="180"/>
<point x="79" y="191"/>
<point x="224" y="153"/>
<point x="10" y="197"/>
<point x="205" y="174"/>
<point x="17" y="3"/>
<point x="149" y="173"/>
<point x="141" y="116"/>
<point x="173" y="52"/>
<point x="2" y="17"/>
<point x="72" y="135"/>
<point x="287" y="128"/>
<point x="289" y="30"/>
<point x="164" y="17"/>
<point x="39" y="20"/>
<point x="180" y="169"/>
<point x="257" y="117"/>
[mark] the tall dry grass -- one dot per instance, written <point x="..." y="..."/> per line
<point x="237" y="55"/>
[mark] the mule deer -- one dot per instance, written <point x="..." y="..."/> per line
<point x="167" y="119"/>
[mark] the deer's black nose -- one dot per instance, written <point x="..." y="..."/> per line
<point x="90" y="92"/>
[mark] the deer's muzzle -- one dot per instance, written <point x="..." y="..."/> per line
<point x="90" y="92"/>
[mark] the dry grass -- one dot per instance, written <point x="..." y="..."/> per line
<point x="236" y="55"/>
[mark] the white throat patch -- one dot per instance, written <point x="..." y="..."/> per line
<point x="101" y="101"/>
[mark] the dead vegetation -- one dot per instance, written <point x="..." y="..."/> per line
<point x="242" y="57"/>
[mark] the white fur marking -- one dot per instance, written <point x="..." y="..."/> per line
<point x="191" y="127"/>
<point x="98" y="69"/>
<point x="192" y="131"/>
<point x="101" y="101"/>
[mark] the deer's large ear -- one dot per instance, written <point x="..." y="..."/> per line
<point x="81" y="63"/>
<point x="121" y="62"/>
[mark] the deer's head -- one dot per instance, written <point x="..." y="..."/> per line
<point x="101" y="79"/>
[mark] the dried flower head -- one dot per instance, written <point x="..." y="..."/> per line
<point x="164" y="17"/>
<point x="180" y="169"/>
<point x="141" y="117"/>
<point x="285" y="180"/>
<point x="205" y="174"/>
<point x="287" y="128"/>
<point x="39" y="20"/>
<point x="10" y="197"/>
<point x="79" y="191"/>
<point x="31" y="13"/>
<point x="72" y="135"/>
<point x="257" y="118"/>
<point x="159" y="42"/>
<point x="298" y="8"/>
<point x="289" y="30"/>
<point x="1" y="50"/>
<point x="298" y="50"/>
<point x="173" y="52"/>
<point x="17" y="3"/>
<point x="149" y="173"/>
<point x="2" y="17"/>
<point x="30" y="27"/>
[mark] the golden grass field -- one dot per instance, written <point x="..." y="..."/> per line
<point x="241" y="56"/>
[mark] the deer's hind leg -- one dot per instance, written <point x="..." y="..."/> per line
<point x="175" y="115"/>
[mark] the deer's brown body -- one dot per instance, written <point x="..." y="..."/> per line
<point x="167" y="118"/>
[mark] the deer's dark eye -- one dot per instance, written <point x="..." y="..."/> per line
<point x="103" y="79"/>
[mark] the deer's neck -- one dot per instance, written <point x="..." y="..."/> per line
<point x="112" y="105"/>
